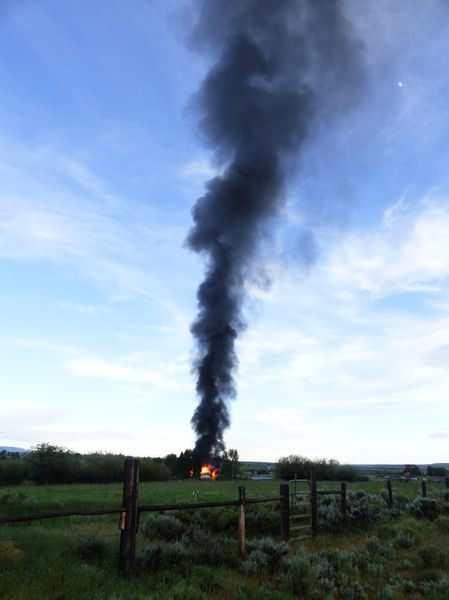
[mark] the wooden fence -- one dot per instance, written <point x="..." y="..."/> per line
<point x="130" y="511"/>
<point x="313" y="493"/>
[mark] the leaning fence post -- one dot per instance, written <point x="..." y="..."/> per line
<point x="285" y="512"/>
<point x="242" y="524"/>
<point x="129" y="516"/>
<point x="314" y="500"/>
<point x="390" y="494"/>
<point x="343" y="500"/>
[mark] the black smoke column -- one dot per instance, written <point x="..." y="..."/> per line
<point x="280" y="65"/>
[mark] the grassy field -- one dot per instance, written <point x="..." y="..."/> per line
<point x="61" y="497"/>
<point x="76" y="557"/>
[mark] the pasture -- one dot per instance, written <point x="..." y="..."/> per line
<point x="196" y="553"/>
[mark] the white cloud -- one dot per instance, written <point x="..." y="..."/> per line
<point x="198" y="169"/>
<point x="441" y="433"/>
<point x="163" y="376"/>
<point x="407" y="254"/>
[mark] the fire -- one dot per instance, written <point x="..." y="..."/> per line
<point x="191" y="472"/>
<point x="208" y="470"/>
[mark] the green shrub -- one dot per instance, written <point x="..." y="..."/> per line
<point x="211" y="549"/>
<point x="405" y="563"/>
<point x="205" y="578"/>
<point x="91" y="550"/>
<point x="437" y="589"/>
<point x="364" y="509"/>
<point x="300" y="576"/>
<point x="13" y="471"/>
<point x="404" y="540"/>
<point x="101" y="467"/>
<point x="288" y="467"/>
<point x="168" y="557"/>
<point x="176" y="556"/>
<point x="329" y="514"/>
<point x="153" y="471"/>
<point x="52" y="464"/>
<point x="150" y="559"/>
<point x="162" y="527"/>
<point x="17" y="502"/>
<point x="338" y="560"/>
<point x="245" y="591"/>
<point x="260" y="518"/>
<point x="424" y="508"/>
<point x="264" y="555"/>
<point x="408" y="587"/>
<point x="443" y="524"/>
<point x="185" y="591"/>
<point x="387" y="592"/>
<point x="375" y="548"/>
<point x="350" y="588"/>
<point x="400" y="502"/>
<point x="431" y="556"/>
<point x="430" y="575"/>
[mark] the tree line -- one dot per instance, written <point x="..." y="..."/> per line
<point x="46" y="463"/>
<point x="298" y="467"/>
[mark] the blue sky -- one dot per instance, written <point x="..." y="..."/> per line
<point x="100" y="164"/>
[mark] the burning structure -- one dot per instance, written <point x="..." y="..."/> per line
<point x="278" y="66"/>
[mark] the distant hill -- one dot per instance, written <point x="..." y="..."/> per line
<point x="12" y="449"/>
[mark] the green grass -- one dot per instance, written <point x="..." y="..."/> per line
<point x="62" y="497"/>
<point x="42" y="559"/>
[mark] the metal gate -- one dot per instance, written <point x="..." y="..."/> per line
<point x="300" y="509"/>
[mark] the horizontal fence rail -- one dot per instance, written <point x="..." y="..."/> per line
<point x="61" y="513"/>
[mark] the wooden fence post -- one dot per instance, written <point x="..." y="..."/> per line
<point x="242" y="523"/>
<point x="390" y="494"/>
<point x="343" y="500"/>
<point x="285" y="512"/>
<point x="129" y="517"/>
<point x="314" y="500"/>
<point x="423" y="489"/>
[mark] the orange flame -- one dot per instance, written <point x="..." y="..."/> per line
<point x="208" y="470"/>
<point x="191" y="472"/>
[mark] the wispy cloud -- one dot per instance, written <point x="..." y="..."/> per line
<point x="163" y="376"/>
<point x="407" y="254"/>
<point x="440" y="433"/>
<point x="55" y="209"/>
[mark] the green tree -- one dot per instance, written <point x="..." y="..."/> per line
<point x="171" y="460"/>
<point x="151" y="470"/>
<point x="187" y="461"/>
<point x="437" y="471"/>
<point x="289" y="467"/>
<point x="293" y="465"/>
<point x="13" y="471"/>
<point x="52" y="464"/>
<point x="412" y="470"/>
<point x="230" y="465"/>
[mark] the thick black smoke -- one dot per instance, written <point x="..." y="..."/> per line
<point x="280" y="66"/>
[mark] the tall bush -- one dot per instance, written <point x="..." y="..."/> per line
<point x="13" y="471"/>
<point x="293" y="465"/>
<point x="52" y="464"/>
